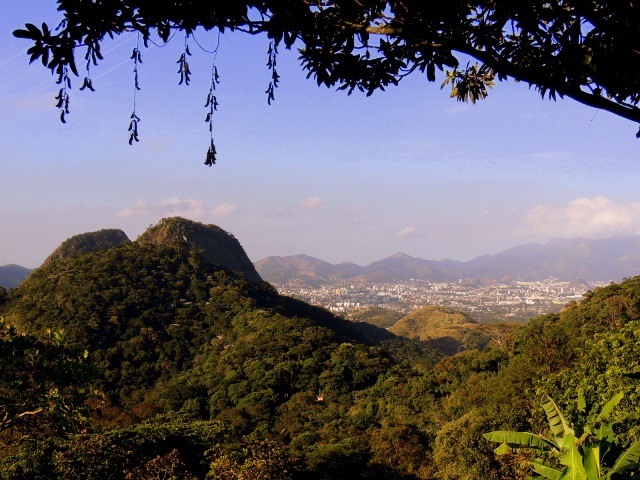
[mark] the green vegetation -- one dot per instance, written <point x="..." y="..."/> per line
<point x="575" y="452"/>
<point x="43" y="386"/>
<point x="201" y="373"/>
<point x="173" y="446"/>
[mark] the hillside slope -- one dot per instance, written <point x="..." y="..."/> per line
<point x="146" y="309"/>
<point x="447" y="330"/>
<point x="306" y="268"/>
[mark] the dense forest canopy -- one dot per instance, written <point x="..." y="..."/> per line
<point x="582" y="49"/>
<point x="193" y="371"/>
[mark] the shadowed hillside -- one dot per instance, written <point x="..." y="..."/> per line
<point x="146" y="308"/>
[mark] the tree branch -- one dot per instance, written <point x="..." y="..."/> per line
<point x="492" y="59"/>
<point x="506" y="68"/>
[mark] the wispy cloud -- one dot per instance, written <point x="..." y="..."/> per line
<point x="33" y="102"/>
<point x="171" y="207"/>
<point x="553" y="155"/>
<point x="140" y="209"/>
<point x="160" y="144"/>
<point x="225" y="210"/>
<point x="595" y="217"/>
<point x="411" y="232"/>
<point x="357" y="210"/>
<point x="278" y="212"/>
<point x="190" y="207"/>
<point x="313" y="202"/>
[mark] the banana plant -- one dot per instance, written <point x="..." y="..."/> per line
<point x="574" y="456"/>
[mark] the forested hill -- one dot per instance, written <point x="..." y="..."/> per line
<point x="145" y="308"/>
<point x="204" y="373"/>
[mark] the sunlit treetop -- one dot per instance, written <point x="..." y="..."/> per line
<point x="587" y="50"/>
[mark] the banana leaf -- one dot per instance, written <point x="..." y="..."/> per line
<point x="545" y="471"/>
<point x="519" y="440"/>
<point x="592" y="460"/>
<point x="559" y="426"/>
<point x="627" y="460"/>
<point x="608" y="408"/>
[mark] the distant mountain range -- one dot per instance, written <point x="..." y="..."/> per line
<point x="592" y="260"/>
<point x="12" y="275"/>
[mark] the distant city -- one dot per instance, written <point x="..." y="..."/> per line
<point x="516" y="301"/>
<point x="510" y="286"/>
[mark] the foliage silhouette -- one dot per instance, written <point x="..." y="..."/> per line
<point x="587" y="51"/>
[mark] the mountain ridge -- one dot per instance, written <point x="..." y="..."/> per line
<point x="12" y="275"/>
<point x="609" y="259"/>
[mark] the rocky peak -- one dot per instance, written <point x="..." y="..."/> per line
<point x="88" y="242"/>
<point x="217" y="246"/>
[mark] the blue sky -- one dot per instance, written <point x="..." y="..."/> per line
<point x="318" y="172"/>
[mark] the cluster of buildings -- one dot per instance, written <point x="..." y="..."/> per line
<point x="487" y="301"/>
